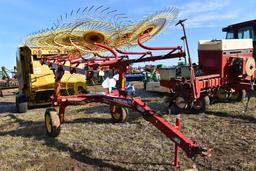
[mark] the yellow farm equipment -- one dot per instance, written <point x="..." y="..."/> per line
<point x="36" y="81"/>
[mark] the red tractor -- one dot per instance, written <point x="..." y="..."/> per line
<point x="225" y="71"/>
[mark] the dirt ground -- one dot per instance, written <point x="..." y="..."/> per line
<point x="90" y="141"/>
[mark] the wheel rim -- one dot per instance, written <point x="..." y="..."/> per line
<point x="198" y="105"/>
<point x="117" y="115"/>
<point x="222" y="94"/>
<point x="116" y="112"/>
<point x="181" y="103"/>
<point x="48" y="123"/>
<point x="113" y="109"/>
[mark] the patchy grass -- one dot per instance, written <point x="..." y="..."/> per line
<point x="90" y="141"/>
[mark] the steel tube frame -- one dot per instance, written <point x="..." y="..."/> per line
<point x="190" y="147"/>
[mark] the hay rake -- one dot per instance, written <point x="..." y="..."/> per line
<point x="89" y="36"/>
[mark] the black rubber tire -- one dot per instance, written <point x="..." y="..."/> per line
<point x="174" y="109"/>
<point x="203" y="105"/>
<point x="52" y="122"/>
<point x="240" y="96"/>
<point x="119" y="114"/>
<point x="222" y="95"/>
<point x="21" y="103"/>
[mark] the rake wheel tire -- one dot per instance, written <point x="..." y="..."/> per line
<point x="119" y="114"/>
<point x="52" y="122"/>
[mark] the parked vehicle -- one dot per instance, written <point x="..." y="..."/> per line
<point x="225" y="71"/>
<point x="36" y="81"/>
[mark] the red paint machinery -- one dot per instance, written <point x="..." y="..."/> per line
<point x="226" y="70"/>
<point x="118" y="100"/>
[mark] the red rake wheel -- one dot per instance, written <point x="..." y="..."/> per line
<point x="52" y="122"/>
<point x="119" y="114"/>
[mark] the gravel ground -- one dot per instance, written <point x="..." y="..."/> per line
<point x="90" y="141"/>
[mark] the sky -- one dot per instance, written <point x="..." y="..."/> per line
<point x="205" y="19"/>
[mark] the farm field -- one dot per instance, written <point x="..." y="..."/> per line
<point x="90" y="141"/>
